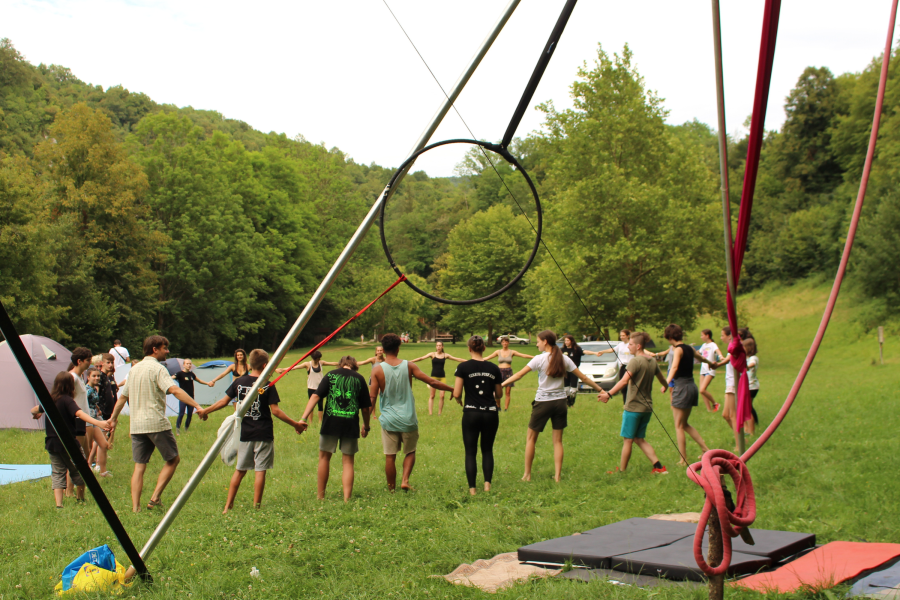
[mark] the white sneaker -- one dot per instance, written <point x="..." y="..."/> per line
<point x="96" y="469"/>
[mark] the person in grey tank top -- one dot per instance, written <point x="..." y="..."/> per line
<point x="392" y="379"/>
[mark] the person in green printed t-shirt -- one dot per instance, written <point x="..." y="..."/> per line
<point x="345" y="393"/>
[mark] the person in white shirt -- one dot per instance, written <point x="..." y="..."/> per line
<point x="623" y="353"/>
<point x="120" y="354"/>
<point x="550" y="400"/>
<point x="710" y="351"/>
<point x="752" y="363"/>
<point x="729" y="411"/>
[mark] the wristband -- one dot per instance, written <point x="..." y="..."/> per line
<point x="302" y="420"/>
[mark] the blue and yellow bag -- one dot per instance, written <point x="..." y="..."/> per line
<point x="94" y="571"/>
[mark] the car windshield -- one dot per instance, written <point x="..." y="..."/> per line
<point x="609" y="357"/>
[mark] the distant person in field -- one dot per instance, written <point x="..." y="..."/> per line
<point x="684" y="391"/>
<point x="438" y="372"/>
<point x="729" y="410"/>
<point x="96" y="437"/>
<point x="710" y="351"/>
<point x="238" y="368"/>
<point x="80" y="362"/>
<point x="345" y="395"/>
<point x="504" y="358"/>
<point x="120" y="354"/>
<point x="256" y="450"/>
<point x="642" y="369"/>
<point x="480" y="380"/>
<point x="186" y="378"/>
<point x="373" y="360"/>
<point x="313" y="367"/>
<point x="392" y="380"/>
<point x="752" y="363"/>
<point x="550" y="400"/>
<point x="574" y="352"/>
<point x="623" y="354"/>
<point x="145" y="390"/>
<point x="60" y="462"/>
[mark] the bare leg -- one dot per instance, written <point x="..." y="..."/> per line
<point x="233" y="489"/>
<point x="729" y="413"/>
<point x="557" y="453"/>
<point x="390" y="470"/>
<point x="347" y="475"/>
<point x="137" y="486"/>
<point x="431" y="391"/>
<point x="508" y="396"/>
<point x="324" y="468"/>
<point x="259" y="486"/>
<point x="165" y="476"/>
<point x="708" y="399"/>
<point x="408" y="463"/>
<point x="680" y="420"/>
<point x="58" y="496"/>
<point x="626" y="454"/>
<point x="530" y="441"/>
<point x="648" y="451"/>
<point x="101" y="445"/>
<point x="441" y="405"/>
<point x="79" y="493"/>
<point x="320" y="416"/>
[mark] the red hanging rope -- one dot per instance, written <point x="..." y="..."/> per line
<point x="401" y="279"/>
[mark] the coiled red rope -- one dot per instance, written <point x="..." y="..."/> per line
<point x="400" y="280"/>
<point x="716" y="462"/>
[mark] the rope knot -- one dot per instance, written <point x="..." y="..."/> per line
<point x="732" y="518"/>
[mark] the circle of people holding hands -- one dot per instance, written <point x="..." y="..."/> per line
<point x="91" y="399"/>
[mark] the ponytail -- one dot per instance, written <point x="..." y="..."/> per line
<point x="555" y="366"/>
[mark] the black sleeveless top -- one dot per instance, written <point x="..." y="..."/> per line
<point x="437" y="367"/>
<point x="686" y="364"/>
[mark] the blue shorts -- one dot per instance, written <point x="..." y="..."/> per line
<point x="634" y="425"/>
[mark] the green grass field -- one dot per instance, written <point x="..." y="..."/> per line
<point x="830" y="470"/>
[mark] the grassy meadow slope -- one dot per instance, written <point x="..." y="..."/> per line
<point x="830" y="470"/>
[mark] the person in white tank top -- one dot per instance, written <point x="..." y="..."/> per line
<point x="710" y="351"/>
<point x="314" y="369"/>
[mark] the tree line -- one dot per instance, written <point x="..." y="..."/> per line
<point x="122" y="217"/>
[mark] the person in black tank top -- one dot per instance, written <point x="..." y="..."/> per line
<point x="684" y="390"/>
<point x="438" y="359"/>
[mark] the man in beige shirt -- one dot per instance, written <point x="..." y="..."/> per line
<point x="145" y="390"/>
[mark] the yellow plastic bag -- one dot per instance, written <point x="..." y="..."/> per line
<point x="91" y="578"/>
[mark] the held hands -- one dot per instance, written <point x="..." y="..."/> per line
<point x="603" y="396"/>
<point x="105" y="425"/>
<point x="211" y="384"/>
<point x="301" y="426"/>
<point x="363" y="432"/>
<point x="201" y="414"/>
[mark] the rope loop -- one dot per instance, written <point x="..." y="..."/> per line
<point x="708" y="474"/>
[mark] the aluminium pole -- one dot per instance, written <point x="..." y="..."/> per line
<point x="324" y="287"/>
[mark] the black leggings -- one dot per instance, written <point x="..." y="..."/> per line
<point x="484" y="423"/>
<point x="182" y="408"/>
<point x="753" y="410"/>
<point x="622" y="370"/>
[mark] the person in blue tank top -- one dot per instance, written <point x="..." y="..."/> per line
<point x="392" y="379"/>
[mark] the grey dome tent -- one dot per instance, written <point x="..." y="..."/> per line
<point x="17" y="398"/>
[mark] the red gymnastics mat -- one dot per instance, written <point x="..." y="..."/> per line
<point x="823" y="567"/>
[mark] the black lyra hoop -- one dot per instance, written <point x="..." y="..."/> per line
<point x="537" y="202"/>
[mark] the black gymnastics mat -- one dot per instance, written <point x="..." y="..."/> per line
<point x="595" y="548"/>
<point x="676" y="561"/>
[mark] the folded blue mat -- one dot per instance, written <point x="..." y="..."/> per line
<point x="16" y="473"/>
<point x="879" y="583"/>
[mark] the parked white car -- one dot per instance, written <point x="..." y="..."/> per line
<point x="603" y="369"/>
<point x="514" y="339"/>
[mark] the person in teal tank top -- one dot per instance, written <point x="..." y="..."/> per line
<point x="392" y="379"/>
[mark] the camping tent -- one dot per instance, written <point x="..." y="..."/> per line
<point x="203" y="394"/>
<point x="18" y="398"/>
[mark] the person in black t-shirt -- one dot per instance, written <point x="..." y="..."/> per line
<point x="256" y="449"/>
<point x="75" y="418"/>
<point x="186" y="378"/>
<point x="346" y="394"/>
<point x="574" y="352"/>
<point x="481" y="410"/>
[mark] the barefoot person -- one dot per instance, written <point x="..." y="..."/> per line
<point x="710" y="351"/>
<point x="504" y="358"/>
<point x="438" y="358"/>
<point x="392" y="380"/>
<point x="684" y="390"/>
<point x="96" y="437"/>
<point x="346" y="395"/>
<point x="550" y="399"/>
<point x="145" y="390"/>
<point x="481" y="410"/>
<point x="60" y="462"/>
<point x="638" y="404"/>
<point x="313" y="369"/>
<point x="256" y="449"/>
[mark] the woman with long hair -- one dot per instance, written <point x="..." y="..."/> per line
<point x="313" y="369"/>
<point x="574" y="352"/>
<point x="97" y="441"/>
<point x="550" y="402"/>
<point x="623" y="354"/>
<point x="684" y="391"/>
<point x="238" y="368"/>
<point x="74" y="418"/>
<point x="481" y="410"/>
<point x="710" y="351"/>
<point x="504" y="358"/>
<point x="438" y="358"/>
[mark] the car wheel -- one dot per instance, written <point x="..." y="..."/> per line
<point x="523" y="343"/>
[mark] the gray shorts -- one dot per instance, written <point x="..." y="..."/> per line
<point x="685" y="393"/>
<point x="142" y="445"/>
<point x="330" y="443"/>
<point x="59" y="465"/>
<point x="255" y="456"/>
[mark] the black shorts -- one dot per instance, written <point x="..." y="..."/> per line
<point x="555" y="411"/>
<point x="320" y="403"/>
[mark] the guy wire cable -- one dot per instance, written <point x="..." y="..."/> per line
<point x="646" y="401"/>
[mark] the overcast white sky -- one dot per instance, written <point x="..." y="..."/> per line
<point x="342" y="73"/>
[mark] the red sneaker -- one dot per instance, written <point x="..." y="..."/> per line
<point x="660" y="471"/>
<point x="716" y="409"/>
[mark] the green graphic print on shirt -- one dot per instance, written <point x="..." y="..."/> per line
<point x="342" y="396"/>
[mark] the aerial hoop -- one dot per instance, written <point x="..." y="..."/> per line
<point x="537" y="202"/>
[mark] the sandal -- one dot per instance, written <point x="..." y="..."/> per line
<point x="154" y="504"/>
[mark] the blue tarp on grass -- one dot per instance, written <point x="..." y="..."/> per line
<point x="16" y="473"/>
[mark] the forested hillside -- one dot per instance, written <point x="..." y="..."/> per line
<point x="121" y="216"/>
